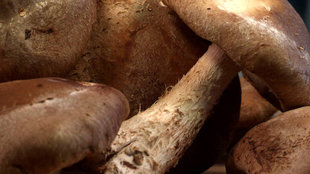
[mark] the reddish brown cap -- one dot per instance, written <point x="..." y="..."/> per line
<point x="50" y="123"/>
<point x="266" y="37"/>
<point x="280" y="145"/>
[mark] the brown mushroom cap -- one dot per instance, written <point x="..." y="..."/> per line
<point x="50" y="123"/>
<point x="265" y="37"/>
<point x="43" y="37"/>
<point x="280" y="145"/>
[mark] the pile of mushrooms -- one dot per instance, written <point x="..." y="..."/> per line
<point x="48" y="123"/>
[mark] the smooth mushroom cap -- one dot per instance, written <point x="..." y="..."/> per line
<point x="265" y="37"/>
<point x="50" y="123"/>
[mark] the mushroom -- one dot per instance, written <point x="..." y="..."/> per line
<point x="267" y="38"/>
<point x="153" y="141"/>
<point x="43" y="37"/>
<point x="257" y="35"/>
<point x="280" y="145"/>
<point x="51" y="123"/>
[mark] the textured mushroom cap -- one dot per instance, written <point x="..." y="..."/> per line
<point x="50" y="123"/>
<point x="266" y="37"/>
<point x="280" y="145"/>
<point x="42" y="37"/>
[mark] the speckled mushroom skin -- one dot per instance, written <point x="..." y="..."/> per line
<point x="267" y="37"/>
<point x="280" y="145"/>
<point x="50" y="123"/>
<point x="40" y="38"/>
<point x="139" y="47"/>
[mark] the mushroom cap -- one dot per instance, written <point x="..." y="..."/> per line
<point x="280" y="145"/>
<point x="43" y="37"/>
<point x="50" y="123"/>
<point x="266" y="37"/>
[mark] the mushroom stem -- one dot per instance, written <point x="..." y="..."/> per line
<point x="153" y="141"/>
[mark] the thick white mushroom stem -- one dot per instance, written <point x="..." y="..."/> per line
<point x="154" y="140"/>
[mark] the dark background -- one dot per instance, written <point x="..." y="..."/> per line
<point x="303" y="8"/>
